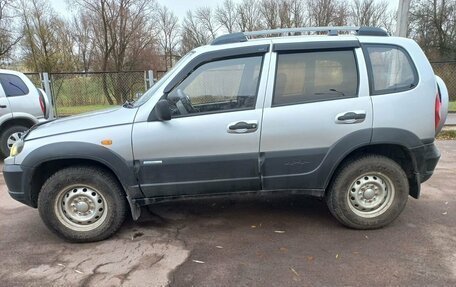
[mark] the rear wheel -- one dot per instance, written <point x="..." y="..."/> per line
<point x="9" y="136"/>
<point x="368" y="193"/>
<point x="82" y="204"/>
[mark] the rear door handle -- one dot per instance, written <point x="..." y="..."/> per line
<point x="242" y="127"/>
<point x="2" y="106"/>
<point x="351" y="117"/>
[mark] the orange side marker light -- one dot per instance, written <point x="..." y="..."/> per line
<point x="106" y="142"/>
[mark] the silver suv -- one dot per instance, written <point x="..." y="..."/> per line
<point x="22" y="105"/>
<point x="350" y="117"/>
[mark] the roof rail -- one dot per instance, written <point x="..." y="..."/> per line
<point x="331" y="31"/>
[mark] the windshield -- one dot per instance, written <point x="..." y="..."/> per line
<point x="147" y="95"/>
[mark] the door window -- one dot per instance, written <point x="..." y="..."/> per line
<point x="315" y="76"/>
<point x="13" y="85"/>
<point x="219" y="86"/>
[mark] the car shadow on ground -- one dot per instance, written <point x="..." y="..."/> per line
<point x="235" y="211"/>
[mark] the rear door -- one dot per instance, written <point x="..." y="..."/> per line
<point x="317" y="110"/>
<point x="22" y="99"/>
<point x="5" y="108"/>
<point x="211" y="144"/>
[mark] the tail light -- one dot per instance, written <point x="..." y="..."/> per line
<point x="42" y="103"/>
<point x="438" y="107"/>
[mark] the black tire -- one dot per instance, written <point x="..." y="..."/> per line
<point x="346" y="189"/>
<point x="67" y="180"/>
<point x="4" y="148"/>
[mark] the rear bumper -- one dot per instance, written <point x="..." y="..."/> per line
<point x="15" y="178"/>
<point x="426" y="157"/>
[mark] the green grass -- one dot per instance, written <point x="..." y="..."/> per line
<point x="452" y="107"/>
<point x="73" y="110"/>
<point x="447" y="135"/>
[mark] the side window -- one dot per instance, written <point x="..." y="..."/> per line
<point x="391" y="69"/>
<point x="13" y="85"/>
<point x="218" y="86"/>
<point x="315" y="76"/>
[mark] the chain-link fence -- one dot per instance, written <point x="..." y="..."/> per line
<point x="79" y="92"/>
<point x="447" y="71"/>
<point x="75" y="93"/>
<point x="35" y="78"/>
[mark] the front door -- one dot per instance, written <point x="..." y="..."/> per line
<point x="211" y="144"/>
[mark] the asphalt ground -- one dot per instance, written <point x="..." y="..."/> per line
<point x="451" y="119"/>
<point x="247" y="241"/>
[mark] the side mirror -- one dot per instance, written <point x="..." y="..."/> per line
<point x="162" y="110"/>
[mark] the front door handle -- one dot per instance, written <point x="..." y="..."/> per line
<point x="2" y="106"/>
<point x="351" y="117"/>
<point x="242" y="127"/>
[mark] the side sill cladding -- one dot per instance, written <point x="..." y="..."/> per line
<point x="123" y="170"/>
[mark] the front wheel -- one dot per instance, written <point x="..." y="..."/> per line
<point x="82" y="204"/>
<point x="368" y="193"/>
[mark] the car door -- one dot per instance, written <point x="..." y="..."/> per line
<point x="317" y="110"/>
<point x="5" y="108"/>
<point x="211" y="144"/>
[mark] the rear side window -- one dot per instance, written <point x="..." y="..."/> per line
<point x="315" y="76"/>
<point x="13" y="85"/>
<point x="391" y="69"/>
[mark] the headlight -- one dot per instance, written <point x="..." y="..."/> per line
<point x="16" y="148"/>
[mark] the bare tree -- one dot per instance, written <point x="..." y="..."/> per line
<point x="433" y="26"/>
<point x="227" y="16"/>
<point x="269" y="10"/>
<point x="83" y="38"/>
<point x="40" y="44"/>
<point x="168" y="33"/>
<point x="369" y="12"/>
<point x="285" y="14"/>
<point x="327" y="12"/>
<point x="8" y="36"/>
<point x="249" y="15"/>
<point x="193" y="33"/>
<point x="122" y="35"/>
<point x="206" y="18"/>
<point x="297" y="11"/>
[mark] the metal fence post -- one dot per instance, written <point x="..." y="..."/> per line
<point x="46" y="84"/>
<point x="149" y="79"/>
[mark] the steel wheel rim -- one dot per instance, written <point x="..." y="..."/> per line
<point x="12" y="139"/>
<point x="371" y="194"/>
<point x="81" y="208"/>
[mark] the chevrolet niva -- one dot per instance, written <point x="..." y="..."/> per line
<point x="345" y="114"/>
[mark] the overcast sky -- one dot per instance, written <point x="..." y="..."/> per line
<point x="179" y="7"/>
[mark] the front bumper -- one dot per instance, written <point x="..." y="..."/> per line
<point x="18" y="187"/>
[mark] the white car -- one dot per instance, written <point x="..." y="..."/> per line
<point x="22" y="105"/>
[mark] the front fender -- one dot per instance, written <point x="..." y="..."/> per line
<point x="123" y="170"/>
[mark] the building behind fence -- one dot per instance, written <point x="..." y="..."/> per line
<point x="74" y="93"/>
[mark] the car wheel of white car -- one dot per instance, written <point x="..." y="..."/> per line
<point x="9" y="136"/>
